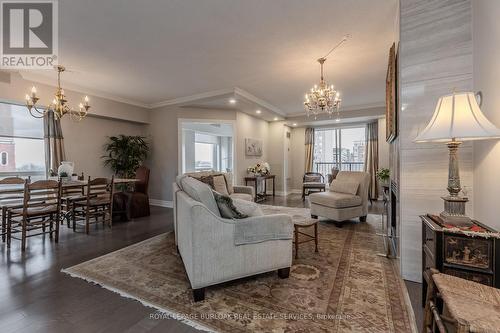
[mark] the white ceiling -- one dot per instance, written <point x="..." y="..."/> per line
<point x="149" y="52"/>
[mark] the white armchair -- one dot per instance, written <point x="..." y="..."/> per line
<point x="207" y="242"/>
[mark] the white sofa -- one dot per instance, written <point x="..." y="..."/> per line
<point x="342" y="206"/>
<point x="206" y="241"/>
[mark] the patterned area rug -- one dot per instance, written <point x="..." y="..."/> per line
<point x="346" y="287"/>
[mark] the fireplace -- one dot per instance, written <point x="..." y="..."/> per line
<point x="393" y="216"/>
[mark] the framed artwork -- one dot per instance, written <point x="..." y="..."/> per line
<point x="472" y="252"/>
<point x="253" y="147"/>
<point x="391" y="96"/>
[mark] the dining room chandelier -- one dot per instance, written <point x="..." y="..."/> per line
<point x="324" y="98"/>
<point x="59" y="104"/>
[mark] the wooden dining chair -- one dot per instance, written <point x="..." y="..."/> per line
<point x="97" y="205"/>
<point x="41" y="207"/>
<point x="11" y="196"/>
<point x="70" y="194"/>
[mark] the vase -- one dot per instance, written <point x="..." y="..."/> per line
<point x="66" y="167"/>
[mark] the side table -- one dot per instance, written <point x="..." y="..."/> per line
<point x="306" y="223"/>
<point x="255" y="179"/>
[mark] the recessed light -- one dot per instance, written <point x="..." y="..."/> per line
<point x="294" y="124"/>
<point x="232" y="101"/>
<point x="258" y="112"/>
<point x="275" y="118"/>
<point x="337" y="120"/>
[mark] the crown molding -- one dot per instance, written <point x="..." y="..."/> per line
<point x="76" y="88"/>
<point x="348" y="108"/>
<point x="245" y="94"/>
<point x="192" y="98"/>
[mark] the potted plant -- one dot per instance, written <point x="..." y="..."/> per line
<point x="124" y="154"/>
<point x="383" y="175"/>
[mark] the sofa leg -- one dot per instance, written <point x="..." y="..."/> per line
<point x="284" y="273"/>
<point x="362" y="218"/>
<point x="314" y="216"/>
<point x="338" y="224"/>
<point x="199" y="294"/>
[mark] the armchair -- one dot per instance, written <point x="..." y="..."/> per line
<point x="207" y="243"/>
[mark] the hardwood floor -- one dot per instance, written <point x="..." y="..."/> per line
<point x="36" y="297"/>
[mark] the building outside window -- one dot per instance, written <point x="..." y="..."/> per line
<point x="341" y="148"/>
<point x="22" y="149"/>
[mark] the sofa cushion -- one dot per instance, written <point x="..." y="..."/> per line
<point x="200" y="192"/>
<point x="219" y="182"/>
<point x="226" y="207"/>
<point x="242" y="196"/>
<point x="342" y="186"/>
<point x="335" y="199"/>
<point x="229" y="182"/>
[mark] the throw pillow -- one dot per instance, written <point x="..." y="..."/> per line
<point x="312" y="179"/>
<point x="340" y="186"/>
<point x="226" y="207"/>
<point x="209" y="180"/>
<point x="219" y="184"/>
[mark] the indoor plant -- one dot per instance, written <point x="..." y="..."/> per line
<point x="124" y="154"/>
<point x="383" y="175"/>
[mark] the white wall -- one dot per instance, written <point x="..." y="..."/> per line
<point x="164" y="137"/>
<point x="383" y="146"/>
<point x="298" y="155"/>
<point x="486" y="74"/>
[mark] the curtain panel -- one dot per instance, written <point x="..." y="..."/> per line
<point x="54" y="141"/>
<point x="309" y="142"/>
<point x="371" y="158"/>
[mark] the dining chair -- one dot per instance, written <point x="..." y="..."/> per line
<point x="70" y="194"/>
<point x="97" y="204"/>
<point x="139" y="201"/>
<point x="11" y="196"/>
<point x="41" y="207"/>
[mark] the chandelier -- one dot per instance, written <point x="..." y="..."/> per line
<point x="59" y="104"/>
<point x="323" y="98"/>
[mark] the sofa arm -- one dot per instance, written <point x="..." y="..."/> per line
<point x="259" y="229"/>
<point x="244" y="189"/>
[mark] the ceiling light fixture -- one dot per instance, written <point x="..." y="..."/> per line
<point x="59" y="103"/>
<point x="232" y="101"/>
<point x="294" y="124"/>
<point x="258" y="112"/>
<point x="323" y="98"/>
<point x="275" y="118"/>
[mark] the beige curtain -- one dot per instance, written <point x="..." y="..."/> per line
<point x="54" y="141"/>
<point x="309" y="149"/>
<point x="371" y="158"/>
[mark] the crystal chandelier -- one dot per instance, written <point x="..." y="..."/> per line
<point x="323" y="98"/>
<point x="59" y="104"/>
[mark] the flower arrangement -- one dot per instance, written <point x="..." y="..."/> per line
<point x="259" y="169"/>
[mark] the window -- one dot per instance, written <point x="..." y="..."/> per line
<point x="4" y="158"/>
<point x="21" y="143"/>
<point x="342" y="148"/>
<point x="206" y="146"/>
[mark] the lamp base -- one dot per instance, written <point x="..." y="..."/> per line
<point x="454" y="211"/>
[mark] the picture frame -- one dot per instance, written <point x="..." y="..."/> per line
<point x="253" y="147"/>
<point x="391" y="96"/>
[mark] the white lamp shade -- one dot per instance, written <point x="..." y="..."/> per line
<point x="458" y="116"/>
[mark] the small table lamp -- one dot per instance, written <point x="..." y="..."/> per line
<point x="457" y="118"/>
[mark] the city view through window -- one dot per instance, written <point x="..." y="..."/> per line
<point x="343" y="148"/>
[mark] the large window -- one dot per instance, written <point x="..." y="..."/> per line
<point x="22" y="149"/>
<point x="342" y="148"/>
<point x="207" y="146"/>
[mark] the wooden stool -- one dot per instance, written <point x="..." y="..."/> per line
<point x="466" y="306"/>
<point x="306" y="223"/>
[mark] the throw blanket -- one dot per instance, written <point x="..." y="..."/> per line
<point x="258" y="229"/>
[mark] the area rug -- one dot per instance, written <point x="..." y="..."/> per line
<point x="346" y="287"/>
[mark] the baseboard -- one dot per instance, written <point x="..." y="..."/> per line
<point x="161" y="203"/>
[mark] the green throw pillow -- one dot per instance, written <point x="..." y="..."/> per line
<point x="226" y="207"/>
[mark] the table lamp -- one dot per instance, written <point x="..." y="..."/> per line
<point x="457" y="118"/>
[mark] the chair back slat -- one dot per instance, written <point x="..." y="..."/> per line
<point x="12" y="181"/>
<point x="100" y="188"/>
<point x="42" y="193"/>
<point x="11" y="191"/>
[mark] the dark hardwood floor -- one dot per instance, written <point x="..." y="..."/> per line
<point x="36" y="297"/>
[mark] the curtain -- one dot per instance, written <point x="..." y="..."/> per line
<point x="54" y="141"/>
<point x="371" y="158"/>
<point x="309" y="149"/>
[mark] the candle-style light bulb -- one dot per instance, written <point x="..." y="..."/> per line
<point x="80" y="106"/>
<point x="33" y="91"/>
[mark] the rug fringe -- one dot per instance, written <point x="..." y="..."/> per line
<point x="172" y="314"/>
